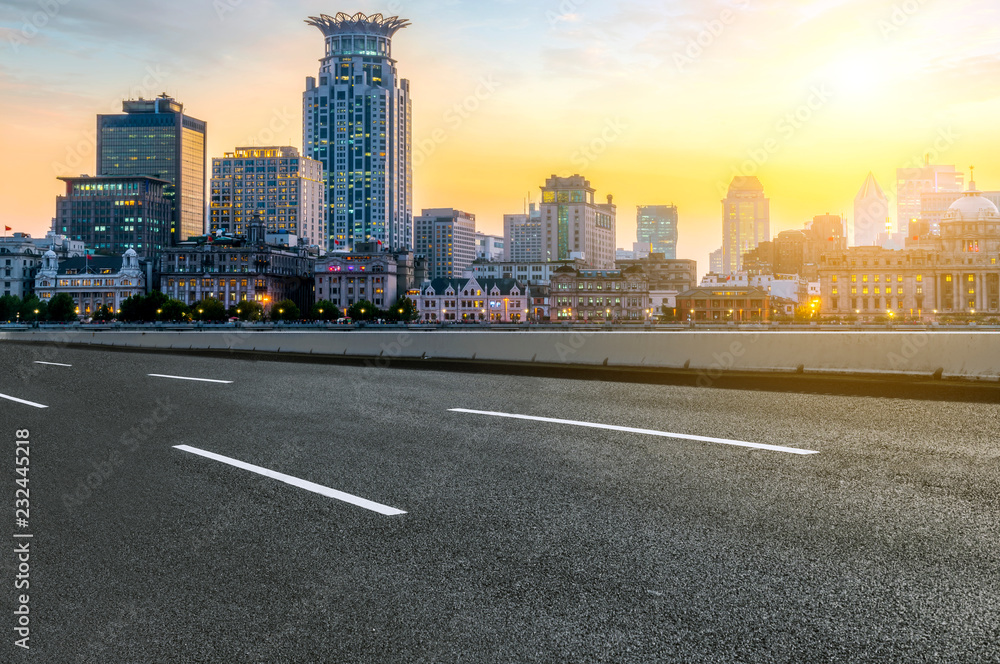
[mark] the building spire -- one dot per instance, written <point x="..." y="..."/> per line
<point x="972" y="178"/>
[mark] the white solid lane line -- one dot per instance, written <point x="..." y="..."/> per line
<point x="200" y="380"/>
<point x="649" y="432"/>
<point x="295" y="481"/>
<point x="53" y="364"/>
<point x="26" y="403"/>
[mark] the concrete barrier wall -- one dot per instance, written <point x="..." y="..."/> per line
<point x="960" y="354"/>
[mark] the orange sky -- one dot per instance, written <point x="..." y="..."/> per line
<point x="654" y="102"/>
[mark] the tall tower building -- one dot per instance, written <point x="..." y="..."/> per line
<point x="746" y="221"/>
<point x="356" y="121"/>
<point x="573" y="223"/>
<point x="154" y="137"/>
<point x="871" y="213"/>
<point x="656" y="225"/>
<point x="284" y="188"/>
<point x="926" y="179"/>
<point x="447" y="237"/>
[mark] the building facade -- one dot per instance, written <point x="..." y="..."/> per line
<point x="284" y="188"/>
<point x="155" y="138"/>
<point x="574" y="224"/>
<point x="92" y="281"/>
<point x="657" y="226"/>
<point x="356" y="121"/>
<point x="955" y="273"/>
<point x="233" y="270"/>
<point x="21" y="258"/>
<point x="473" y="300"/>
<point x="665" y="274"/>
<point x="746" y="221"/>
<point x="599" y="295"/>
<point x="725" y="304"/>
<point x="531" y="273"/>
<point x="111" y="214"/>
<point x="346" y="278"/>
<point x="522" y="236"/>
<point x="447" y="238"/>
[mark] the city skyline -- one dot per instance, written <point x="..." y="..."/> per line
<point x="539" y="91"/>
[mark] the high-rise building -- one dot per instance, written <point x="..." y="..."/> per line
<point x="447" y="237"/>
<point x="356" y="121"/>
<point x="871" y="213"/>
<point x="911" y="183"/>
<point x="112" y="214"/>
<point x="574" y="224"/>
<point x="715" y="261"/>
<point x="284" y="188"/>
<point x="657" y="225"/>
<point x="522" y="236"/>
<point x="154" y="137"/>
<point x="746" y="221"/>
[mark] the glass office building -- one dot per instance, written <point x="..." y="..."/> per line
<point x="155" y="138"/>
<point x="656" y="225"/>
<point x="356" y="122"/>
<point x="112" y="214"/>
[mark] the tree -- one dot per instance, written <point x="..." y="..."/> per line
<point x="247" y="310"/>
<point x="132" y="309"/>
<point x="404" y="310"/>
<point x="326" y="310"/>
<point x="364" y="310"/>
<point x="9" y="306"/>
<point x="104" y="314"/>
<point x="33" y="309"/>
<point x="173" y="310"/>
<point x="62" y="308"/>
<point x="208" y="309"/>
<point x="284" y="310"/>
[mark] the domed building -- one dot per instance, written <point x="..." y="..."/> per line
<point x="954" y="273"/>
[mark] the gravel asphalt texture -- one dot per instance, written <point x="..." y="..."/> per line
<point x="522" y="541"/>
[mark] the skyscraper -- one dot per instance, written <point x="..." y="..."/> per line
<point x="746" y="221"/>
<point x="154" y="137"/>
<point x="447" y="238"/>
<point x="574" y="223"/>
<point x="356" y="122"/>
<point x="871" y="213"/>
<point x="912" y="182"/>
<point x="657" y="226"/>
<point x="284" y="188"/>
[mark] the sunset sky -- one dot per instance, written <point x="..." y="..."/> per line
<point x="655" y="102"/>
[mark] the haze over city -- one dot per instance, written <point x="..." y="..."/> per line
<point x="653" y="102"/>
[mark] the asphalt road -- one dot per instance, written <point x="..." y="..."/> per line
<point x="521" y="541"/>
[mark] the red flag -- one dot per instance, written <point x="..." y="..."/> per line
<point x="7" y="228"/>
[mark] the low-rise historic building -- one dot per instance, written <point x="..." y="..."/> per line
<point x="92" y="281"/>
<point x="346" y="278"/>
<point x="723" y="304"/>
<point x="232" y="270"/>
<point x="473" y="300"/>
<point x="953" y="273"/>
<point x="599" y="295"/>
